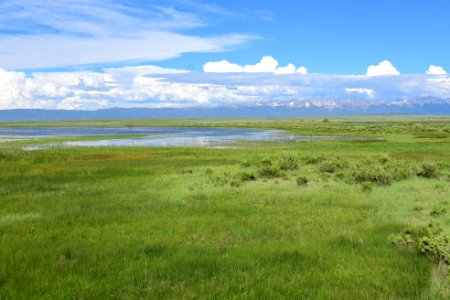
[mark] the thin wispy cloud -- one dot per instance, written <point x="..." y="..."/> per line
<point x="44" y="34"/>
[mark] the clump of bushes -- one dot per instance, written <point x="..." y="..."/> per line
<point x="268" y="172"/>
<point x="301" y="180"/>
<point x="366" y="186"/>
<point x="265" y="169"/>
<point x="234" y="183"/>
<point x="430" y="240"/>
<point x="246" y="177"/>
<point x="265" y="163"/>
<point x="312" y="160"/>
<point x="438" y="210"/>
<point x="288" y="163"/>
<point x="328" y="168"/>
<point x="428" y="170"/>
<point x="374" y="175"/>
<point x="245" y="164"/>
<point x="403" y="172"/>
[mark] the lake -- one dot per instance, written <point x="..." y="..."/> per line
<point x="153" y="136"/>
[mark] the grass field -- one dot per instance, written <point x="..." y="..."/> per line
<point x="303" y="220"/>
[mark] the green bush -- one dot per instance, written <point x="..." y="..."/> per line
<point x="302" y="180"/>
<point x="265" y="169"/>
<point x="373" y="175"/>
<point x="234" y="183"/>
<point x="246" y="177"/>
<point x="312" y="160"/>
<point x="366" y="186"/>
<point x="245" y="164"/>
<point x="288" y="163"/>
<point x="268" y="172"/>
<point x="430" y="240"/>
<point x="438" y="210"/>
<point x="265" y="163"/>
<point x="429" y="170"/>
<point x="328" y="168"/>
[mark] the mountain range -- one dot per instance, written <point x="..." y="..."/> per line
<point x="273" y="108"/>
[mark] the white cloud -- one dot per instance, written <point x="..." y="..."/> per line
<point x="222" y="66"/>
<point x="34" y="51"/>
<point x="69" y="32"/>
<point x="134" y="87"/>
<point x="302" y="70"/>
<point x="289" y="69"/>
<point x="267" y="64"/>
<point x="142" y="70"/>
<point x="369" y="92"/>
<point x="10" y="83"/>
<point x="436" y="70"/>
<point x="383" y="68"/>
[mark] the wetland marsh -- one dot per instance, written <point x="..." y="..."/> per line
<point x="322" y="219"/>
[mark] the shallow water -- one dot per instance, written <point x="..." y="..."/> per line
<point x="154" y="136"/>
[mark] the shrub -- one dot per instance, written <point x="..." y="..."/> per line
<point x="268" y="172"/>
<point x="245" y="164"/>
<point x="383" y="179"/>
<point x="314" y="160"/>
<point x="366" y="186"/>
<point x="429" y="170"/>
<point x="430" y="240"/>
<point x="265" y="169"/>
<point x="403" y="172"/>
<point x="438" y="210"/>
<point x="234" y="183"/>
<point x="288" y="163"/>
<point x="246" y="177"/>
<point x="383" y="159"/>
<point x="265" y="163"/>
<point x="328" y="168"/>
<point x="377" y="176"/>
<point x="302" y="180"/>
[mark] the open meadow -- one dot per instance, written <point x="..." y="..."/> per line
<point x="363" y="218"/>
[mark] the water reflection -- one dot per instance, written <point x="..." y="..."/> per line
<point x="153" y="136"/>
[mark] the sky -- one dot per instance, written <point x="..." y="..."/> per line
<point x="89" y="54"/>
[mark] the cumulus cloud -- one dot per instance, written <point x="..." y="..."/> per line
<point x="289" y="69"/>
<point x="151" y="86"/>
<point x="267" y="64"/>
<point x="222" y="66"/>
<point x="302" y="70"/>
<point x="436" y="70"/>
<point x="383" y="68"/>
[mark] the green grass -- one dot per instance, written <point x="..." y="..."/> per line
<point x="127" y="223"/>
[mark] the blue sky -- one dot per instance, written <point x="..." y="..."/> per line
<point x="337" y="36"/>
<point x="88" y="54"/>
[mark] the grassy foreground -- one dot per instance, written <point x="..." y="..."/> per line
<point x="309" y="220"/>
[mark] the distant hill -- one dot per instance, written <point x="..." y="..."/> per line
<point x="270" y="109"/>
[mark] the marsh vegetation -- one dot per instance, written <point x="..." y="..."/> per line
<point x="336" y="219"/>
